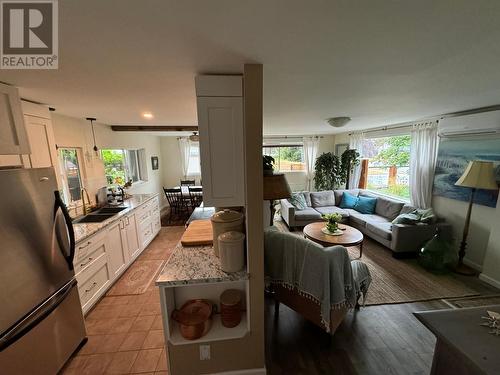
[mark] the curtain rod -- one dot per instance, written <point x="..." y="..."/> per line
<point x="465" y="112"/>
<point x="292" y="136"/>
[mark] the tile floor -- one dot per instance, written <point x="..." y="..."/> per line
<point x="125" y="333"/>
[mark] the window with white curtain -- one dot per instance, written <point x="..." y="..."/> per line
<point x="194" y="159"/>
<point x="388" y="165"/>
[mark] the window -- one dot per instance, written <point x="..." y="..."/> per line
<point x="288" y="158"/>
<point x="194" y="159"/>
<point x="388" y="165"/>
<point x="71" y="174"/>
<point x="121" y="166"/>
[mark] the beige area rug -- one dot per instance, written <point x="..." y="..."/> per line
<point x="401" y="281"/>
<point x="137" y="278"/>
<point x="474" y="301"/>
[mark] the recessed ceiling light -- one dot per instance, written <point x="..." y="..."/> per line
<point x="147" y="115"/>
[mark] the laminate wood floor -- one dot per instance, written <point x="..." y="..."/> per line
<point x="383" y="339"/>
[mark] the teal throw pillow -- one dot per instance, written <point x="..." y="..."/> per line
<point x="365" y="205"/>
<point x="348" y="200"/>
<point x="298" y="200"/>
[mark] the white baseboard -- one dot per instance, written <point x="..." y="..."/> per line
<point x="474" y="265"/>
<point x="489" y="280"/>
<point x="252" y="371"/>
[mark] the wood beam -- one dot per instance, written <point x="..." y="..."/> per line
<point x="153" y="128"/>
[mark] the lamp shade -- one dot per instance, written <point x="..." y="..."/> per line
<point x="276" y="187"/>
<point x="479" y="175"/>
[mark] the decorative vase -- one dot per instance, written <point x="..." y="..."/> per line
<point x="332" y="226"/>
<point x="436" y="255"/>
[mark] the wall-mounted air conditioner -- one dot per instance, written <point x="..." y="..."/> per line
<point x="479" y="124"/>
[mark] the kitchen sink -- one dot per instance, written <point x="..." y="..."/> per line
<point x="110" y="210"/>
<point x="93" y="218"/>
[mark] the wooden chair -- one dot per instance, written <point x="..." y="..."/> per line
<point x="188" y="182"/>
<point x="174" y="198"/>
<point x="195" y="196"/>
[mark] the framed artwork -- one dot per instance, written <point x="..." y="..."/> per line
<point x="454" y="156"/>
<point x="340" y="148"/>
<point x="154" y="162"/>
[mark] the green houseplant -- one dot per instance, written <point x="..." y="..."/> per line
<point x="332" y="172"/>
<point x="268" y="165"/>
<point x="328" y="174"/>
<point x="332" y="221"/>
<point x="348" y="160"/>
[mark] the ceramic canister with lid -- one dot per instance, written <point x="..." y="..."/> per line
<point x="225" y="221"/>
<point x="232" y="251"/>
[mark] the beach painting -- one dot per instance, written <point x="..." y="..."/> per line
<point x="454" y="156"/>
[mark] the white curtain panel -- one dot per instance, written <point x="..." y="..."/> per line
<point x="423" y="157"/>
<point x="184" y="148"/>
<point x="311" y="145"/>
<point x="356" y="143"/>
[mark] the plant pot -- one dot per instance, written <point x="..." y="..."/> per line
<point x="268" y="172"/>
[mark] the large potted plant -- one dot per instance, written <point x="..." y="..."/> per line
<point x="332" y="172"/>
<point x="348" y="160"/>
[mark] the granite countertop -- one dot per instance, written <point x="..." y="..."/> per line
<point x="85" y="230"/>
<point x="195" y="265"/>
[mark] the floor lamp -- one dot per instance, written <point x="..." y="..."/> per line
<point x="275" y="187"/>
<point x="477" y="175"/>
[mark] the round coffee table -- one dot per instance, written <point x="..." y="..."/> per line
<point x="350" y="237"/>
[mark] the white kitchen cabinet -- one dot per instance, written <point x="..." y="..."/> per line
<point x="129" y="237"/>
<point x="13" y="138"/>
<point x="115" y="250"/>
<point x="42" y="143"/>
<point x="220" y="123"/>
<point x="101" y="258"/>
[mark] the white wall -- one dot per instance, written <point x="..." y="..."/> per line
<point x="491" y="264"/>
<point x="483" y="220"/>
<point x="170" y="163"/>
<point x="73" y="132"/>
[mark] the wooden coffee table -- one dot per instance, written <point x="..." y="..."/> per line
<point x="350" y="237"/>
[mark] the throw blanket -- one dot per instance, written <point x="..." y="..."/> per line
<point x="322" y="274"/>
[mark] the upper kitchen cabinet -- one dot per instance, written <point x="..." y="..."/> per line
<point x="220" y="123"/>
<point x="13" y="138"/>
<point x="41" y="139"/>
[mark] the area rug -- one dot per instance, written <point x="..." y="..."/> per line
<point x="474" y="301"/>
<point x="401" y="281"/>
<point x="137" y="278"/>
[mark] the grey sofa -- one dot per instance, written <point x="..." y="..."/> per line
<point x="400" y="238"/>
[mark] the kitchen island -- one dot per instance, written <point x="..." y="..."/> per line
<point x="195" y="273"/>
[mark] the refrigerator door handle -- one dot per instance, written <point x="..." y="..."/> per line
<point x="35" y="317"/>
<point x="59" y="205"/>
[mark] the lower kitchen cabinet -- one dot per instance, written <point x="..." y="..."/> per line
<point x="116" y="252"/>
<point x="103" y="257"/>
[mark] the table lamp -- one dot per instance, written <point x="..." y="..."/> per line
<point x="275" y="187"/>
<point x="477" y="175"/>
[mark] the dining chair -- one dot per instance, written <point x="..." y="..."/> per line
<point x="174" y="198"/>
<point x="195" y="196"/>
<point x="188" y="182"/>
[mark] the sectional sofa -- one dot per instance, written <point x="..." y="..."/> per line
<point x="400" y="238"/>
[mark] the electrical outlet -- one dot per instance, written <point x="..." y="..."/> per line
<point x="204" y="352"/>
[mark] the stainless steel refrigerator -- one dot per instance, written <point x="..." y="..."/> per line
<point x="41" y="320"/>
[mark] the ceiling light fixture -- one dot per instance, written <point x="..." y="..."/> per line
<point x="338" y="122"/>
<point x="194" y="137"/>
<point x="147" y="115"/>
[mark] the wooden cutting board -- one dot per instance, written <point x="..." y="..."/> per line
<point x="198" y="233"/>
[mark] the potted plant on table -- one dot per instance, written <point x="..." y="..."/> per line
<point x="332" y="223"/>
